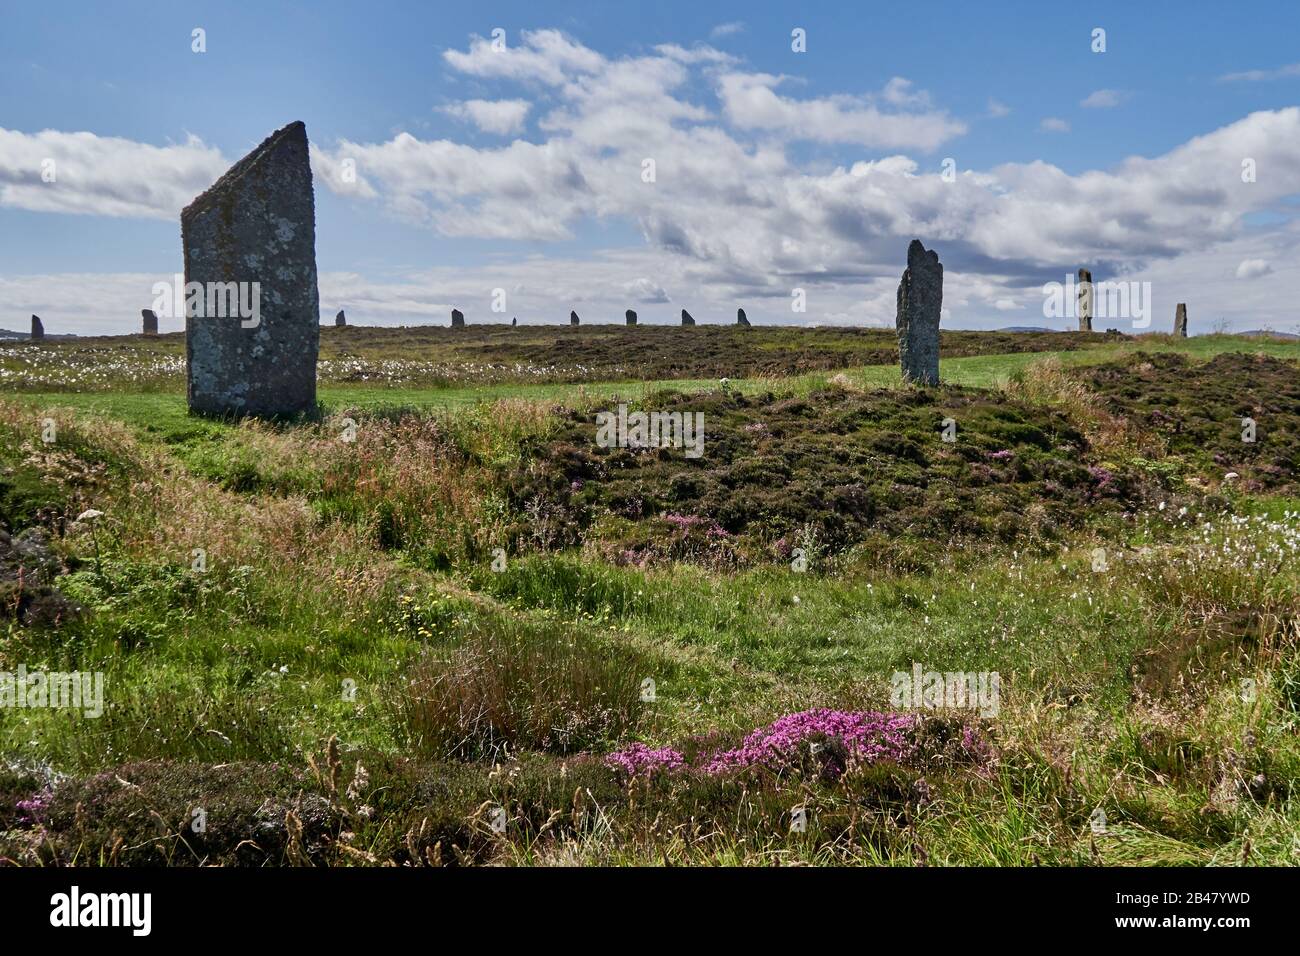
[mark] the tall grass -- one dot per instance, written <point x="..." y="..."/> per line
<point x="514" y="687"/>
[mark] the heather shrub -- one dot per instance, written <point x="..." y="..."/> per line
<point x="143" y="814"/>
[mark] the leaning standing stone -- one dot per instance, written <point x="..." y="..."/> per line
<point x="38" y="330"/>
<point x="1085" y="300"/>
<point x="686" y="318"/>
<point x="1180" y="320"/>
<point x="573" y="317"/>
<point x="920" y="297"/>
<point x="148" y="322"/>
<point x="741" y="319"/>
<point x="630" y="316"/>
<point x="340" y="319"/>
<point x="250" y="242"/>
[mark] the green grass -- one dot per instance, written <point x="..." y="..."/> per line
<point x="164" y="413"/>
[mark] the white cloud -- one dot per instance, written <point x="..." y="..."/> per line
<point x="502" y="117"/>
<point x="1103" y="99"/>
<point x="1254" y="76"/>
<point x="1253" y="268"/>
<point x="899" y="92"/>
<point x="547" y="56"/>
<point x="726" y="29"/>
<point x="1054" y="124"/>
<point x="103" y="175"/>
<point x="750" y="101"/>
<point x="646" y="290"/>
<point x="997" y="110"/>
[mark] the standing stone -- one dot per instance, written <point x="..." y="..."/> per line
<point x="630" y="316"/>
<point x="1085" y="300"/>
<point x="741" y="318"/>
<point x="920" y="298"/>
<point x="250" y="241"/>
<point x="457" y="319"/>
<point x="38" y="330"/>
<point x="149" y="322"/>
<point x="686" y="318"/>
<point x="573" y="318"/>
<point x="514" y="320"/>
<point x="340" y="320"/>
<point x="1180" y="320"/>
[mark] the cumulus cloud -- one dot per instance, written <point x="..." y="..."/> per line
<point x="642" y="289"/>
<point x="1103" y="99"/>
<point x="1054" y="124"/>
<point x="53" y="171"/>
<point x="731" y="210"/>
<point x="751" y="102"/>
<point x="502" y="117"/>
<point x="1253" y="268"/>
<point x="547" y="56"/>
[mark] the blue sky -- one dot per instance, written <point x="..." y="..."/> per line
<point x="775" y="169"/>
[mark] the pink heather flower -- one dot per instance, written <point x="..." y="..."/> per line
<point x="688" y="522"/>
<point x="868" y="736"/>
<point x="844" y="738"/>
<point x="639" y="759"/>
<point x="1002" y="455"/>
<point x="1105" y="478"/>
<point x="33" y="810"/>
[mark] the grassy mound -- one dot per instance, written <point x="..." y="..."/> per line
<point x="821" y="473"/>
<point x="1194" y="411"/>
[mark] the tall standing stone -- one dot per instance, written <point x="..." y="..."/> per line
<point x="38" y="330"/>
<point x="573" y="317"/>
<point x="686" y="318"/>
<point x="148" y="322"/>
<point x="1180" y="320"/>
<point x="630" y="317"/>
<point x="251" y="239"/>
<point x="920" y="298"/>
<point x="1085" y="300"/>
<point x="457" y="319"/>
<point x="340" y="319"/>
<point x="514" y="320"/>
<point x="741" y="318"/>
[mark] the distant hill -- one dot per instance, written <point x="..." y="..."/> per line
<point x="1267" y="334"/>
<point x="1028" y="328"/>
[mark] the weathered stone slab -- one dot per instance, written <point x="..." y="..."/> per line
<point x="38" y="329"/>
<point x="741" y="318"/>
<point x="1085" y="297"/>
<point x="457" y="319"/>
<point x="1180" y="320"/>
<point x="920" y="299"/>
<point x="252" y="334"/>
<point x="686" y="318"/>
<point x="573" y="318"/>
<point x="630" y="316"/>
<point x="340" y="319"/>
<point x="148" y="322"/>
